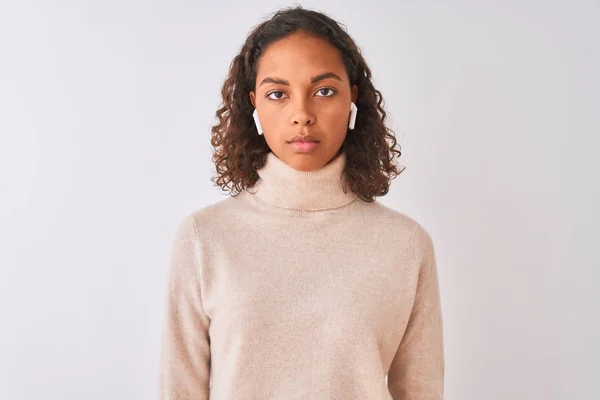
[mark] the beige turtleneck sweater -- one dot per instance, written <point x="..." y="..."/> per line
<point x="295" y="290"/>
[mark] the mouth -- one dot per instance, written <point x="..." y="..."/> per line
<point x="303" y="139"/>
<point x="304" y="147"/>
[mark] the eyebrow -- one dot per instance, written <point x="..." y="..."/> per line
<point x="314" y="79"/>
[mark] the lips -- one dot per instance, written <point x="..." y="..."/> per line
<point x="304" y="147"/>
<point x="304" y="139"/>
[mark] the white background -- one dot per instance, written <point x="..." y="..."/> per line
<point x="105" y="116"/>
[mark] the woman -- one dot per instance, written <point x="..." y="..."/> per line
<point x="300" y="285"/>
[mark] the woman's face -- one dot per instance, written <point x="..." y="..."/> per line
<point x="302" y="90"/>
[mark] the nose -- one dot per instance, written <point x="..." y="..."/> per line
<point x="302" y="115"/>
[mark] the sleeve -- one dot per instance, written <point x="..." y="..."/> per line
<point x="184" y="366"/>
<point x="417" y="369"/>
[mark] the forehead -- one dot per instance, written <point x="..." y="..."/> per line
<point x="300" y="56"/>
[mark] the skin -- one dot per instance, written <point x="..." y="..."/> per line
<point x="301" y="107"/>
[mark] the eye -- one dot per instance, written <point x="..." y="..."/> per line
<point x="331" y="91"/>
<point x="280" y="96"/>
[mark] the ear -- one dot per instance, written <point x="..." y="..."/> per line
<point x="354" y="93"/>
<point x="252" y="99"/>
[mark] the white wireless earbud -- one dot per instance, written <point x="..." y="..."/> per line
<point x="257" y="122"/>
<point x="353" y="112"/>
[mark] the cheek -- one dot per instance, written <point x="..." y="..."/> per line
<point x="272" y="117"/>
<point x="334" y="116"/>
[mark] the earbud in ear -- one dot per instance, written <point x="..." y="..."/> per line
<point x="257" y="122"/>
<point x="353" y="112"/>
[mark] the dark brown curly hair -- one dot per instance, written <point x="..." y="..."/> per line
<point x="239" y="151"/>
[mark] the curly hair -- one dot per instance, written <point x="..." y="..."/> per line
<point x="239" y="151"/>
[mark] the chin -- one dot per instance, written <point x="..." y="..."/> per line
<point x="304" y="161"/>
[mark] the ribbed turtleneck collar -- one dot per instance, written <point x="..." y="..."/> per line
<point x="282" y="186"/>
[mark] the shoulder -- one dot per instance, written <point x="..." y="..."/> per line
<point x="210" y="219"/>
<point x="393" y="218"/>
<point x="401" y="225"/>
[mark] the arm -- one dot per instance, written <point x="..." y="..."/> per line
<point x="184" y="368"/>
<point x="417" y="370"/>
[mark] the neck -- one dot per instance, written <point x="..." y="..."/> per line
<point x="282" y="186"/>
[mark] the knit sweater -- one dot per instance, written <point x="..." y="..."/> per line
<point x="296" y="290"/>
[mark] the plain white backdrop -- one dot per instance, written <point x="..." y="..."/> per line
<point x="105" y="116"/>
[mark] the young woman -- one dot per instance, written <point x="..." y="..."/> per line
<point x="300" y="285"/>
